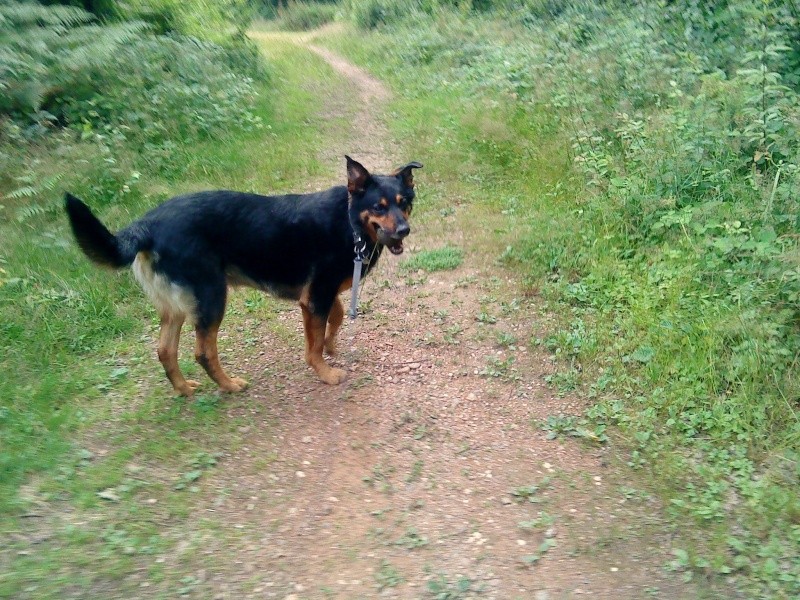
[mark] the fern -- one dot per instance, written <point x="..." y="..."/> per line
<point x="44" y="50"/>
<point x="31" y="189"/>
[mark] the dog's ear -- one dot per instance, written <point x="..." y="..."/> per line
<point x="357" y="176"/>
<point x="406" y="173"/>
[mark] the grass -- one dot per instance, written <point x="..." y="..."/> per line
<point x="438" y="259"/>
<point x="90" y="430"/>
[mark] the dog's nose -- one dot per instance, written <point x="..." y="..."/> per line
<point x="402" y="230"/>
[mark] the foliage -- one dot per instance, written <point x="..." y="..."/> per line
<point x="59" y="67"/>
<point x="669" y="246"/>
<point x="302" y="16"/>
<point x="215" y="20"/>
<point x="369" y="14"/>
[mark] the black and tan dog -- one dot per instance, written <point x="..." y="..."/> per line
<point x="186" y="252"/>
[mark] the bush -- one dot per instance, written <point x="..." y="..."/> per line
<point x="369" y="14"/>
<point x="216" y="20"/>
<point x="59" y="67"/>
<point x="302" y="16"/>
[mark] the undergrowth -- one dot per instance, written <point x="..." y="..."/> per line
<point x="302" y="16"/>
<point x="641" y="169"/>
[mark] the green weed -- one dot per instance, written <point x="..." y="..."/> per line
<point x="387" y="576"/>
<point x="440" y="259"/>
<point x="441" y="588"/>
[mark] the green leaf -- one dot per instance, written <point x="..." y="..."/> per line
<point x="643" y="354"/>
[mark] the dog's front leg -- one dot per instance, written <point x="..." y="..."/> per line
<point x="335" y="318"/>
<point x="314" y="326"/>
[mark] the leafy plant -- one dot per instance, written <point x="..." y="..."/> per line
<point x="441" y="588"/>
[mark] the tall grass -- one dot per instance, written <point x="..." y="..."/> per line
<point x="669" y="241"/>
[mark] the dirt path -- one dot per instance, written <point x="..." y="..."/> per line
<point x="425" y="475"/>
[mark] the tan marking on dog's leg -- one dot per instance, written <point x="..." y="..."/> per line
<point x="168" y="354"/>
<point x="314" y="327"/>
<point x="335" y="318"/>
<point x="207" y="355"/>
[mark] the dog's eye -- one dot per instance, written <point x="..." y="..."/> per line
<point x="379" y="208"/>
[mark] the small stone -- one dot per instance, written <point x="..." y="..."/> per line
<point x="614" y="569"/>
<point x="471" y="397"/>
<point x="151" y="500"/>
<point x="550" y="533"/>
<point x="300" y="474"/>
<point x="521" y="543"/>
<point x="541" y="595"/>
<point x="307" y="439"/>
<point x="506" y="501"/>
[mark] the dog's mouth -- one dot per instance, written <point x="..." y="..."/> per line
<point x="394" y="244"/>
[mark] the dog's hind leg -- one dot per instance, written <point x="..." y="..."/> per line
<point x="168" y="353"/>
<point x="335" y="318"/>
<point x="210" y="310"/>
<point x="207" y="355"/>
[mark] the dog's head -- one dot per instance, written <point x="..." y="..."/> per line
<point x="381" y="204"/>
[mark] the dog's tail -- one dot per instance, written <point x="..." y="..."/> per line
<point x="96" y="241"/>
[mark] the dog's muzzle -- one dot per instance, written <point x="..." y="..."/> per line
<point x="394" y="241"/>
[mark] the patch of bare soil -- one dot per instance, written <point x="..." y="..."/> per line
<point x="425" y="474"/>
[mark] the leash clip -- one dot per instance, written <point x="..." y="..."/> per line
<point x="360" y="247"/>
<point x="354" y="288"/>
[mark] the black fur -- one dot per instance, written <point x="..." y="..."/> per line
<point x="290" y="245"/>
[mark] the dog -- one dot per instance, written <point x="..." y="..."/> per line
<point x="186" y="252"/>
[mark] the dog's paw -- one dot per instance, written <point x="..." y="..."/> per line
<point x="186" y="388"/>
<point x="237" y="384"/>
<point x="333" y="376"/>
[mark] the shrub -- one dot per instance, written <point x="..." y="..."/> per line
<point x="302" y="16"/>
<point x="369" y="14"/>
<point x="59" y="67"/>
